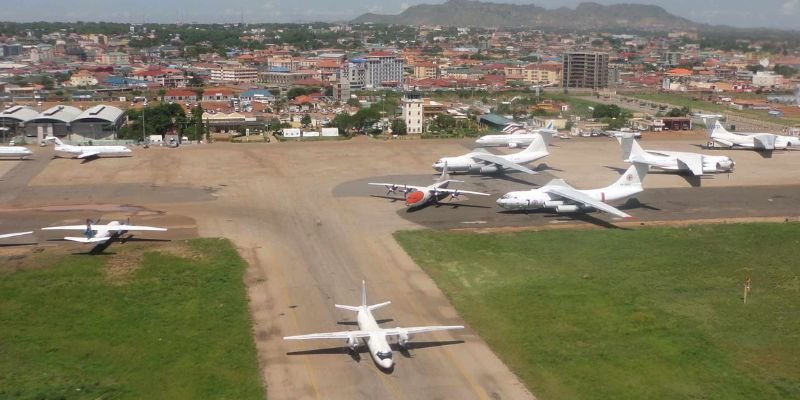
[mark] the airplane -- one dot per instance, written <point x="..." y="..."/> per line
<point x="418" y="196"/>
<point x="514" y="140"/>
<point x="10" y="235"/>
<point x="105" y="234"/>
<point x="563" y="198"/>
<point x="674" y="161"/>
<point x="370" y="333"/>
<point x="14" y="152"/>
<point x="759" y="141"/>
<point x="88" y="152"/>
<point x="482" y="162"/>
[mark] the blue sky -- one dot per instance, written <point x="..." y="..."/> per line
<point x="783" y="14"/>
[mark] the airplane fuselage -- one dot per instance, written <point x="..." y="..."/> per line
<point x="419" y="198"/>
<point x="14" y="152"/>
<point x="468" y="164"/>
<point x="537" y="199"/>
<point x="510" y="140"/>
<point x="77" y="151"/>
<point x="377" y="344"/>
<point x="668" y="161"/>
<point x="748" y="141"/>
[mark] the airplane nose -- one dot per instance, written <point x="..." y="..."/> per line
<point x="387" y="364"/>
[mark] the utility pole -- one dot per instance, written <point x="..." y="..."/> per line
<point x="144" y="138"/>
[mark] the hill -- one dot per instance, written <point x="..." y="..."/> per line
<point x="586" y="16"/>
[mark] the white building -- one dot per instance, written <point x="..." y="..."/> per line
<point x="236" y="73"/>
<point x="766" y="79"/>
<point x="383" y="69"/>
<point x="413" y="114"/>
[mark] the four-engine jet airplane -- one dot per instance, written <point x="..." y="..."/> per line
<point x="514" y="140"/>
<point x="14" y="152"/>
<point x="720" y="137"/>
<point x="418" y="196"/>
<point x="563" y="198"/>
<point x="10" y="235"/>
<point x="674" y="161"/>
<point x="482" y="162"/>
<point x="88" y="152"/>
<point x="94" y="233"/>
<point x="370" y="333"/>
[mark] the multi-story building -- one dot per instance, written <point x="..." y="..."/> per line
<point x="234" y="73"/>
<point x="382" y="69"/>
<point x="426" y="70"/>
<point x="282" y="77"/>
<point x="10" y="50"/>
<point x="413" y="113"/>
<point x="115" y="58"/>
<point x="585" y="70"/>
<point x="354" y="72"/>
<point x="542" y="74"/>
<point x="341" y="91"/>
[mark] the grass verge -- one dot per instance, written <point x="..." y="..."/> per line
<point x="651" y="313"/>
<point x="176" y="326"/>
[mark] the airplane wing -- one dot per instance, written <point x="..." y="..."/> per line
<point x="8" y="235"/>
<point x="89" y="154"/>
<point x="330" y="335"/>
<point x="86" y="240"/>
<point x="574" y="195"/>
<point x="397" y="185"/>
<point x="419" y="329"/>
<point x="67" y="228"/>
<point x="691" y="162"/>
<point x="136" y="228"/>
<point x="493" y="159"/>
<point x="442" y="190"/>
<point x="764" y="142"/>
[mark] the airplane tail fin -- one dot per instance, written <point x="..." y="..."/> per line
<point x="633" y="177"/>
<point x="549" y="126"/>
<point x="363" y="302"/>
<point x="716" y="127"/>
<point x="630" y="147"/>
<point x="538" y="145"/>
<point x="54" y="139"/>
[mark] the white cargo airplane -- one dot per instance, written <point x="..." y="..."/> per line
<point x="563" y="198"/>
<point x="674" y="161"/>
<point x="88" y="152"/>
<point x="721" y="138"/>
<point x="10" y="235"/>
<point x="482" y="162"/>
<point x="14" y="152"/>
<point x="94" y="233"/>
<point x="514" y="140"/>
<point x="418" y="196"/>
<point x="369" y="332"/>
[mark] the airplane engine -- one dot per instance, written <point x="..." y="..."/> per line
<point x="567" y="208"/>
<point x="552" y="203"/>
<point x="488" y="169"/>
<point x="726" y="165"/>
<point x="403" y="338"/>
<point x="352" y="342"/>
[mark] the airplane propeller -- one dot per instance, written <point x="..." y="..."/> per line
<point x="454" y="195"/>
<point x="394" y="189"/>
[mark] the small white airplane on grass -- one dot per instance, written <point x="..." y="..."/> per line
<point x="93" y="233"/>
<point x="418" y="196"/>
<point x="722" y="138"/>
<point x="482" y="162"/>
<point x="15" y="152"/>
<point x="563" y="198"/>
<point x="514" y="140"/>
<point x="88" y="152"/>
<point x="674" y="161"/>
<point x="10" y="235"/>
<point x="370" y="333"/>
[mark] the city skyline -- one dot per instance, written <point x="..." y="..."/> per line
<point x="781" y="14"/>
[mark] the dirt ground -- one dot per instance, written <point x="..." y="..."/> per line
<point x="310" y="231"/>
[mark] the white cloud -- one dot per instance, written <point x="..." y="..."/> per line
<point x="790" y="6"/>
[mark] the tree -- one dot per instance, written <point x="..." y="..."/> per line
<point x="679" y="112"/>
<point x="353" y="102"/>
<point x="606" y="111"/>
<point x="161" y="93"/>
<point x="784" y="70"/>
<point x="306" y="120"/>
<point x="399" y="127"/>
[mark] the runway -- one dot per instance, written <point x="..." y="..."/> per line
<point x="304" y="219"/>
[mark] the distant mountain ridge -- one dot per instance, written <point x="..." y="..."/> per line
<point x="586" y="16"/>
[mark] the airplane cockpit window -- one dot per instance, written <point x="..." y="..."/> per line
<point x="383" y="356"/>
<point x="505" y="197"/>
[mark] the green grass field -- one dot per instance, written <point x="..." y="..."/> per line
<point x="139" y="324"/>
<point x="653" y="313"/>
<point x="680" y="100"/>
